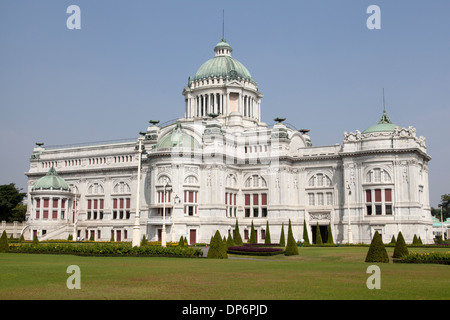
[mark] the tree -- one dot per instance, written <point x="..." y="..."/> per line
<point x="237" y="235"/>
<point x="305" y="233"/>
<point x="217" y="248"/>
<point x="267" y="239"/>
<point x="400" y="247"/>
<point x="10" y="198"/>
<point x="252" y="234"/>
<point x="318" y="235"/>
<point x="282" y="241"/>
<point x="445" y="203"/>
<point x="377" y="252"/>
<point x="291" y="247"/>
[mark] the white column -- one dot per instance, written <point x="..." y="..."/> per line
<point x="137" y="228"/>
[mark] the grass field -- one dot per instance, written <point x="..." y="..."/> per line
<point x="317" y="273"/>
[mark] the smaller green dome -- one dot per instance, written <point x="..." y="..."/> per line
<point x="51" y="181"/>
<point x="178" y="138"/>
<point x="384" y="125"/>
<point x="223" y="44"/>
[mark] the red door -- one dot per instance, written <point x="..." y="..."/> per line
<point x="119" y="235"/>
<point x="192" y="236"/>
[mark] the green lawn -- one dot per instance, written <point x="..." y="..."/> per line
<point x="317" y="273"/>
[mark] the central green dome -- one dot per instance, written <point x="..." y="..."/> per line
<point x="223" y="65"/>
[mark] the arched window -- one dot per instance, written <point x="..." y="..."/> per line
<point x="191" y="180"/>
<point x="96" y="188"/>
<point x="122" y="187"/>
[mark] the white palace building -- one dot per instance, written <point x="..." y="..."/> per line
<point x="220" y="163"/>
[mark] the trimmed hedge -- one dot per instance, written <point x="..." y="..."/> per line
<point x="425" y="257"/>
<point x="255" y="250"/>
<point x="106" y="249"/>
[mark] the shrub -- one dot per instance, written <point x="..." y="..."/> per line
<point x="393" y="241"/>
<point x="230" y="241"/>
<point x="237" y="235"/>
<point x="144" y="241"/>
<point x="318" y="235"/>
<point x="400" y="247"/>
<point x="107" y="249"/>
<point x="217" y="248"/>
<point x="377" y="252"/>
<point x="267" y="239"/>
<point x="252" y="234"/>
<point x="255" y="250"/>
<point x="426" y="257"/>
<point x="305" y="233"/>
<point x="291" y="248"/>
<point x="330" y="235"/>
<point x="4" y="242"/>
<point x="35" y="240"/>
<point x="282" y="241"/>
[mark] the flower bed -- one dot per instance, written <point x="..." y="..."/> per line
<point x="426" y="257"/>
<point x="261" y="244"/>
<point x="255" y="250"/>
<point x="106" y="249"/>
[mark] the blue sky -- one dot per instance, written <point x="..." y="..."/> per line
<point x="316" y="63"/>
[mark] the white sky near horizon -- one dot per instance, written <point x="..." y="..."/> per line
<point x="316" y="62"/>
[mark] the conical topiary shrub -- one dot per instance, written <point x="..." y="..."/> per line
<point x="330" y="235"/>
<point x="144" y="241"/>
<point x="291" y="247"/>
<point x="267" y="240"/>
<point x="35" y="240"/>
<point x="4" y="242"/>
<point x="377" y="252"/>
<point x="393" y="241"/>
<point x="305" y="233"/>
<point x="230" y="241"/>
<point x="252" y="234"/>
<point x="282" y="240"/>
<point x="420" y="243"/>
<point x="237" y="235"/>
<point x="415" y="241"/>
<point x="217" y="248"/>
<point x="318" y="235"/>
<point x="400" y="247"/>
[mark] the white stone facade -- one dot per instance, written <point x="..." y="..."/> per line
<point x="224" y="165"/>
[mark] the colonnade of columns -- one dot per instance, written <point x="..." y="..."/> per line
<point x="219" y="103"/>
<point x="50" y="208"/>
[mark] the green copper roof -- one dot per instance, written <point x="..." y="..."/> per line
<point x="384" y="125"/>
<point x="51" y="181"/>
<point x="223" y="44"/>
<point x="223" y="65"/>
<point x="178" y="138"/>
